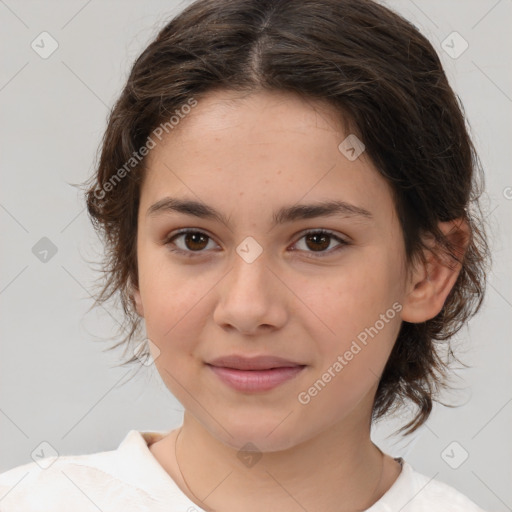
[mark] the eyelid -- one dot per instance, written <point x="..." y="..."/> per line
<point x="342" y="241"/>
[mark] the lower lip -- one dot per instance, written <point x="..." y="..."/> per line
<point x="255" y="380"/>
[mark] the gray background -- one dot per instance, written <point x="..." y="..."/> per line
<point x="56" y="382"/>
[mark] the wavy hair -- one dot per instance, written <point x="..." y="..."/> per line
<point x="374" y="68"/>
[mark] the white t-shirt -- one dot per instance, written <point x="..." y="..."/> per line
<point x="131" y="479"/>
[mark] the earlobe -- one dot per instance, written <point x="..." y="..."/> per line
<point x="432" y="280"/>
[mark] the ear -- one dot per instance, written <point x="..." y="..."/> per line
<point x="430" y="283"/>
<point x="136" y="299"/>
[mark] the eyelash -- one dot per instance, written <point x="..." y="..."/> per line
<point x="191" y="254"/>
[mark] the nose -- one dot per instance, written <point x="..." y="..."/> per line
<point x="251" y="298"/>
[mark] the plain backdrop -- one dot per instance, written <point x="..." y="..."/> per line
<point x="56" y="382"/>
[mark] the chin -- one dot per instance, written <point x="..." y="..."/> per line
<point x="265" y="435"/>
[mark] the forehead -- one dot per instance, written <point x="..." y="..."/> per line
<point x="276" y="146"/>
<point x="260" y="114"/>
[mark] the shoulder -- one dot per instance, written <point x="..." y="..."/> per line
<point x="416" y="492"/>
<point x="88" y="482"/>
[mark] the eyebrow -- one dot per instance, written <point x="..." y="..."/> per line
<point x="284" y="215"/>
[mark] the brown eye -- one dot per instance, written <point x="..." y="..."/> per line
<point x="195" y="241"/>
<point x="188" y="242"/>
<point x="320" y="242"/>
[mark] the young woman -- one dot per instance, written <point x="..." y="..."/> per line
<point x="287" y="195"/>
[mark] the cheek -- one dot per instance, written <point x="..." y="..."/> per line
<point x="351" y="298"/>
<point x="172" y="310"/>
<point x="350" y="367"/>
<point x="356" y="324"/>
<point x="167" y="290"/>
<point x="169" y="296"/>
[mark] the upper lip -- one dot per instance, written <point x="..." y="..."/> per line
<point x="264" y="362"/>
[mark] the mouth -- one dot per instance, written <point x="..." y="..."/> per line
<point x="256" y="374"/>
<point x="263" y="362"/>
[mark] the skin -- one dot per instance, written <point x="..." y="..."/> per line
<point x="247" y="156"/>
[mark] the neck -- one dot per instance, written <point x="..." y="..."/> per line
<point x="339" y="470"/>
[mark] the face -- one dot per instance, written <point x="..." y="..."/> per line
<point x="263" y="276"/>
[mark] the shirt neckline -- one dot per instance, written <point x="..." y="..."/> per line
<point x="140" y="468"/>
<point x="153" y="478"/>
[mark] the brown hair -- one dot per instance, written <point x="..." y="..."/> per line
<point x="375" y="69"/>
